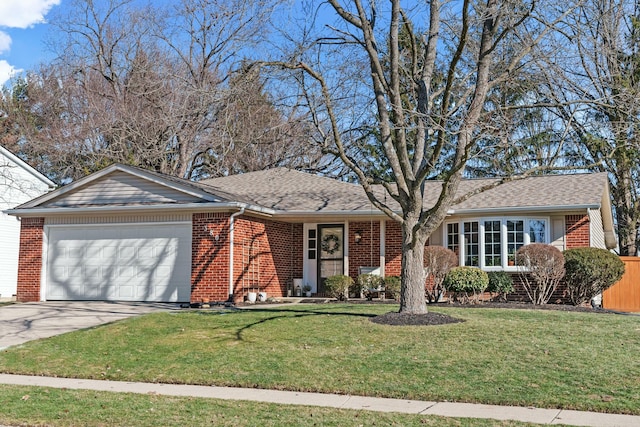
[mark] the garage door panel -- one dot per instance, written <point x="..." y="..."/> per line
<point x="163" y="272"/>
<point x="61" y="274"/>
<point x="130" y="263"/>
<point x="126" y="273"/>
<point x="126" y="253"/>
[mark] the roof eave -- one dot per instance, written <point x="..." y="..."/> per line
<point x="332" y="213"/>
<point x="192" y="207"/>
<point x="502" y="210"/>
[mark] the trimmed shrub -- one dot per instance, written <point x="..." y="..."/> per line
<point x="338" y="286"/>
<point x="500" y="283"/>
<point x="392" y="287"/>
<point x="366" y="282"/>
<point x="541" y="267"/>
<point x="590" y="271"/>
<point x="463" y="281"/>
<point x="438" y="262"/>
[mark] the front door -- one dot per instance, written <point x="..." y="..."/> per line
<point x="331" y="250"/>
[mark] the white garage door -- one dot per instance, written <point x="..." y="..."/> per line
<point x="119" y="262"/>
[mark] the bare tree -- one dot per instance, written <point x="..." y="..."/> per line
<point x="420" y="74"/>
<point x="154" y="87"/>
<point x="255" y="134"/>
<point x="595" y="80"/>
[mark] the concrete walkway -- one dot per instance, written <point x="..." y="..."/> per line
<point x="445" y="409"/>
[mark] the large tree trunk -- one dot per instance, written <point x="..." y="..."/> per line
<point x="627" y="221"/>
<point x="625" y="202"/>
<point x="412" y="297"/>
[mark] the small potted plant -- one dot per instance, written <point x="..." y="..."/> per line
<point x="306" y="289"/>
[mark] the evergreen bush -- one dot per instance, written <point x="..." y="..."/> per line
<point x="500" y="283"/>
<point x="338" y="286"/>
<point x="367" y="282"/>
<point x="463" y="281"/>
<point x="392" y="287"/>
<point x="590" y="271"/>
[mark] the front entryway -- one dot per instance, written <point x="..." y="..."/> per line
<point x="331" y="253"/>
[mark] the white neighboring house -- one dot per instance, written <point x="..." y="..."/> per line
<point x="19" y="183"/>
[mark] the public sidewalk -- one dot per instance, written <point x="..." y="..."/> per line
<point x="446" y="409"/>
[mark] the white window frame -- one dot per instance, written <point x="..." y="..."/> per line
<point x="503" y="238"/>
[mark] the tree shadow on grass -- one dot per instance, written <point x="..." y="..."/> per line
<point x="296" y="315"/>
<point x="392" y="318"/>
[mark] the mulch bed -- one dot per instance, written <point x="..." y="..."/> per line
<point x="434" y="319"/>
<point x="406" y="319"/>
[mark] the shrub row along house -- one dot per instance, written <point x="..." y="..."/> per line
<point x="129" y="234"/>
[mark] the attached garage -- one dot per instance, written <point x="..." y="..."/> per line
<point x="118" y="262"/>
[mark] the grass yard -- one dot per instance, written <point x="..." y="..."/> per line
<point x="47" y="406"/>
<point x="538" y="358"/>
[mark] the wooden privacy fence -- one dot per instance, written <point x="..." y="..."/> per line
<point x="625" y="295"/>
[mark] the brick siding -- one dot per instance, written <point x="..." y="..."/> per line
<point x="267" y="256"/>
<point x="210" y="257"/>
<point x="578" y="235"/>
<point x="30" y="259"/>
<point x="367" y="252"/>
<point x="393" y="249"/>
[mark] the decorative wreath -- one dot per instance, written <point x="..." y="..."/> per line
<point x="330" y="243"/>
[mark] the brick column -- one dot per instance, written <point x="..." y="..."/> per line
<point x="30" y="259"/>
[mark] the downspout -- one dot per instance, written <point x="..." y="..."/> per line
<point x="590" y="227"/>
<point x="231" y="242"/>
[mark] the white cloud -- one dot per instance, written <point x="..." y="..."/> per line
<point x="5" y="42"/>
<point x="19" y="14"/>
<point x="7" y="71"/>
<point x="24" y="13"/>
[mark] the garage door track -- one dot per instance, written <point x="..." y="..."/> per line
<point x="24" y="322"/>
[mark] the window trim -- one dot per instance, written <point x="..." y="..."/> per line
<point x="503" y="237"/>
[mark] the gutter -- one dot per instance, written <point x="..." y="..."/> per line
<point x="196" y="207"/>
<point x="522" y="209"/>
<point x="231" y="243"/>
<point x="477" y="212"/>
<point x="310" y="214"/>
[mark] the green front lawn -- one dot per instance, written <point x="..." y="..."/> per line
<point x="580" y="361"/>
<point x="53" y="407"/>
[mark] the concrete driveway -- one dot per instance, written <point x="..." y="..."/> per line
<point x="22" y="322"/>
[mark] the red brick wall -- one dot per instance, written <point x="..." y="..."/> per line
<point x="393" y="249"/>
<point x="267" y="256"/>
<point x="210" y="258"/>
<point x="367" y="252"/>
<point x="577" y="227"/>
<point x="30" y="259"/>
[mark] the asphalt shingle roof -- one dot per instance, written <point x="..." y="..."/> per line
<point x="290" y="190"/>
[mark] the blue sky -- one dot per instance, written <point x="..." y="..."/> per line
<point x="22" y="32"/>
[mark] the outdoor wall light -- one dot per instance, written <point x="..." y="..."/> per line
<point x="358" y="236"/>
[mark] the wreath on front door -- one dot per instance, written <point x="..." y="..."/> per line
<point x="330" y="244"/>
